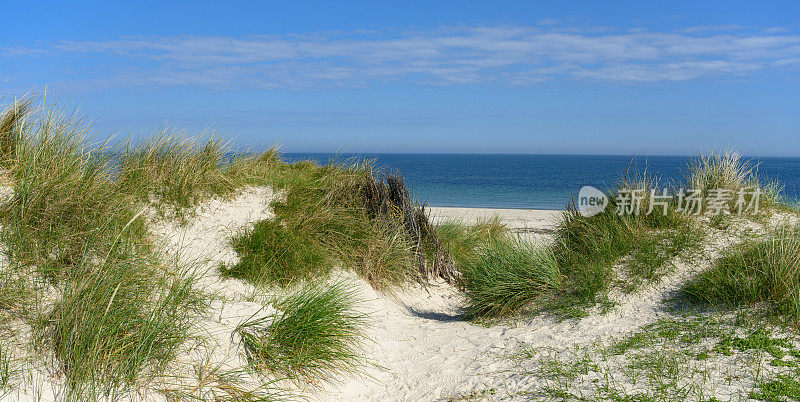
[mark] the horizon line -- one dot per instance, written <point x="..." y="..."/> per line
<point x="627" y="155"/>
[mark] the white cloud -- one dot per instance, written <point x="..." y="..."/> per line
<point x="499" y="55"/>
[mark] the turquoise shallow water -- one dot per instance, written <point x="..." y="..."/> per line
<point x="535" y="181"/>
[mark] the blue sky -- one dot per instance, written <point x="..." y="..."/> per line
<point x="453" y="76"/>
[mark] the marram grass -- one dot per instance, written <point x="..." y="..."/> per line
<point x="79" y="244"/>
<point x="63" y="195"/>
<point x="727" y="170"/>
<point x="508" y="275"/>
<point x="274" y="252"/>
<point x="10" y="122"/>
<point x="596" y="252"/>
<point x="463" y="241"/>
<point x="328" y="218"/>
<point x="9" y="370"/>
<point x="83" y="272"/>
<point x="115" y="325"/>
<point x="759" y="271"/>
<point x="315" y="334"/>
<point x="78" y="241"/>
<point x="173" y="169"/>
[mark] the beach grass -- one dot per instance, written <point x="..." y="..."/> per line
<point x="271" y="252"/>
<point x="726" y="170"/>
<point x="590" y="254"/>
<point x="62" y="196"/>
<point x="506" y="276"/>
<point x="759" y="271"/>
<point x="8" y="370"/>
<point x="720" y="170"/>
<point x="256" y="168"/>
<point x="83" y="273"/>
<point x="173" y="170"/>
<point x="595" y="252"/>
<point x="108" y="312"/>
<point x="117" y="325"/>
<point x="337" y="215"/>
<point x="13" y="291"/>
<point x="315" y="334"/>
<point x="10" y="121"/>
<point x="462" y="241"/>
<point x="104" y="306"/>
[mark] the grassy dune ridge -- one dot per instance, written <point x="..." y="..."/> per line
<point x="578" y="268"/>
<point x="107" y="311"/>
<point x="90" y="285"/>
<point x="341" y="214"/>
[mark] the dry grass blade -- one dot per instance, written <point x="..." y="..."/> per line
<point x="10" y="120"/>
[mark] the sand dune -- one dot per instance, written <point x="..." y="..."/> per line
<point x="420" y="347"/>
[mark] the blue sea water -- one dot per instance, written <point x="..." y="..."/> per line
<point x="536" y="181"/>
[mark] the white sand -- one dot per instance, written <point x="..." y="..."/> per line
<point x="517" y="219"/>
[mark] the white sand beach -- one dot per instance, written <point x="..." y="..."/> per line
<point x="532" y="223"/>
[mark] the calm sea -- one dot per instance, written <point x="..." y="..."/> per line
<point x="535" y="181"/>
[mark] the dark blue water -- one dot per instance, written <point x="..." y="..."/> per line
<point x="536" y="181"/>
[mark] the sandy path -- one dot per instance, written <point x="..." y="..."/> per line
<point x="429" y="354"/>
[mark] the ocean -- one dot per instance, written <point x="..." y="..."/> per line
<point x="536" y="181"/>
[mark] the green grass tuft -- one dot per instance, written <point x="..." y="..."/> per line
<point x="274" y="253"/>
<point x="463" y="241"/>
<point x="115" y="324"/>
<point x="84" y="273"/>
<point x="508" y="275"/>
<point x="784" y="387"/>
<point x="757" y="340"/>
<point x="727" y="170"/>
<point x="8" y="371"/>
<point x="315" y="333"/>
<point x="766" y="270"/>
<point x="63" y="195"/>
<point x="589" y="248"/>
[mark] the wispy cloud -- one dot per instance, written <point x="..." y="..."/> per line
<point x="497" y="55"/>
